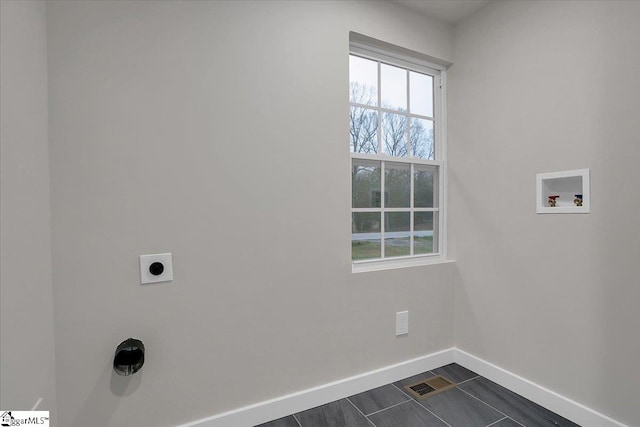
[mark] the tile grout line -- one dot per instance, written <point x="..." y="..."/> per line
<point x="482" y="401"/>
<point x="467" y="380"/>
<point x="496" y="422"/>
<point x="389" y="407"/>
<point x="495" y="409"/>
<point x="517" y="422"/>
<point x="462" y="382"/>
<point x="414" y="400"/>
<point x="429" y="411"/>
<point x="518" y="395"/>
<point x="402" y="391"/>
<point x="423" y="407"/>
<point x="411" y="398"/>
<point x="361" y="413"/>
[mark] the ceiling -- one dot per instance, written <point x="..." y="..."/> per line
<point x="451" y="11"/>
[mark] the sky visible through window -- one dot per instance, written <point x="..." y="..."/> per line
<point x="376" y="128"/>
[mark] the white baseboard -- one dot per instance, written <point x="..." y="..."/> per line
<point x="279" y="407"/>
<point x="551" y="400"/>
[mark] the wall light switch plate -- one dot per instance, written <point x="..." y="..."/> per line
<point x="156" y="268"/>
<point x="402" y="323"/>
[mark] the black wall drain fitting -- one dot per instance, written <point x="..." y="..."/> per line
<point x="129" y="357"/>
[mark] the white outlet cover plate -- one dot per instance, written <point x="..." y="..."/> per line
<point x="402" y="323"/>
<point x="147" y="260"/>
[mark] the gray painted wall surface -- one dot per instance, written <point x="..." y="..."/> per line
<point x="542" y="87"/>
<point x="218" y="131"/>
<point x="164" y="117"/>
<point x="26" y="302"/>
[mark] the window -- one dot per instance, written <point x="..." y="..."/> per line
<point x="397" y="159"/>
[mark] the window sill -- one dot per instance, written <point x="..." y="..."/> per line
<point x="390" y="264"/>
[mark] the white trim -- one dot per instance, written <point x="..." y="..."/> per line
<point x="292" y="403"/>
<point x="378" y="107"/>
<point x="279" y="407"/>
<point x="383" y="200"/>
<point x="408" y="129"/>
<point x="549" y="399"/>
<point x="443" y="172"/>
<point x="366" y="265"/>
<point x="391" y="159"/>
<point x="388" y="110"/>
<point x="411" y="212"/>
<point x="389" y="58"/>
<point x="585" y="190"/>
<point x="396" y="55"/>
<point x="356" y="210"/>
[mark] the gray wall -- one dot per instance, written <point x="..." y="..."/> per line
<point x="215" y="131"/>
<point x="26" y="303"/>
<point x="218" y="131"/>
<point x="543" y="87"/>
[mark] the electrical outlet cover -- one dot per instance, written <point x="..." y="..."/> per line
<point x="145" y="263"/>
<point x="402" y="323"/>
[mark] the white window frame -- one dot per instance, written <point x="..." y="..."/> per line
<point x="438" y="72"/>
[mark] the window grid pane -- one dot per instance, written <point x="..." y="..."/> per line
<point x="421" y="92"/>
<point x="425" y="232"/>
<point x="363" y="130"/>
<point x="365" y="184"/>
<point x="363" y="80"/>
<point x="365" y="237"/>
<point x="393" y="87"/>
<point x="397" y="239"/>
<point x="402" y="224"/>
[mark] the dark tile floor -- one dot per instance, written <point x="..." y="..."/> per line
<point x="475" y="402"/>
